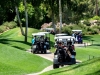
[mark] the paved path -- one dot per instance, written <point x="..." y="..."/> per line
<point x="82" y="45"/>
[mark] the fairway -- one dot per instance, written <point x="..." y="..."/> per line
<point x="13" y="56"/>
<point x="15" y="60"/>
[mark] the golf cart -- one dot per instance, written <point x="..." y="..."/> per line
<point x="65" y="52"/>
<point x="39" y="46"/>
<point x="51" y="30"/>
<point x="46" y="39"/>
<point x="64" y="39"/>
<point x="61" y="34"/>
<point x="78" y="36"/>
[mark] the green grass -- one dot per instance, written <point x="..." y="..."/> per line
<point x="14" y="60"/>
<point x="95" y="38"/>
<point x="84" y="54"/>
<point x="91" y="67"/>
<point x="87" y="67"/>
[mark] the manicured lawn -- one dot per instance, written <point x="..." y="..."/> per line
<point x="84" y="54"/>
<point x="87" y="67"/>
<point x="91" y="67"/>
<point x="14" y="60"/>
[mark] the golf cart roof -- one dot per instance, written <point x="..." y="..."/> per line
<point x="44" y="32"/>
<point x="62" y="34"/>
<point x="77" y="30"/>
<point x="38" y="34"/>
<point x="49" y="28"/>
<point x="65" y="38"/>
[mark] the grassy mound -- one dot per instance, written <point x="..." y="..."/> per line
<point x="14" y="60"/>
<point x="91" y="67"/>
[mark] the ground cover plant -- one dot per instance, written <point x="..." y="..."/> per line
<point x="14" y="60"/>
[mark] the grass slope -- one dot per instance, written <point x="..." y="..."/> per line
<point x="84" y="54"/>
<point x="91" y="67"/>
<point x="14" y="60"/>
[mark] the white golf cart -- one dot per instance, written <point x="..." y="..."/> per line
<point x="64" y="39"/>
<point x="78" y="36"/>
<point x="64" y="55"/>
<point x="62" y="34"/>
<point x="51" y="30"/>
<point x="39" y="45"/>
<point x="47" y="39"/>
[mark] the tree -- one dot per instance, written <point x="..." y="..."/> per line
<point x="17" y="14"/>
<point x="26" y="15"/>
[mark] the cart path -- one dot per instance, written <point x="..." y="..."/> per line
<point x="45" y="70"/>
<point x="82" y="45"/>
<point x="48" y="56"/>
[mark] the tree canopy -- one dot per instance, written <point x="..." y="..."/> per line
<point x="41" y="11"/>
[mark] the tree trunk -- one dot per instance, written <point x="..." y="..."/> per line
<point x="60" y="16"/>
<point x="96" y="7"/>
<point x="26" y="16"/>
<point x="19" y="21"/>
<point x="52" y="8"/>
<point x="53" y="22"/>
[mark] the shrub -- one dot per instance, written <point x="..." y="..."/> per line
<point x="94" y="31"/>
<point x="10" y="25"/>
<point x="86" y="22"/>
<point x="66" y="30"/>
<point x="2" y="29"/>
<point x="96" y="18"/>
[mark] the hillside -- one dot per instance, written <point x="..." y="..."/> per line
<point x="14" y="60"/>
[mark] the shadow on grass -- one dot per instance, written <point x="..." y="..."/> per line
<point x="19" y="48"/>
<point x="96" y="45"/>
<point x="77" y="66"/>
<point x="94" y="73"/>
<point x="87" y="37"/>
<point x="8" y="42"/>
<point x="51" y="44"/>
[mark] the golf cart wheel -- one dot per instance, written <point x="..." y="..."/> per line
<point x="41" y="52"/>
<point x="45" y="51"/>
<point x="34" y="51"/>
<point x="55" y="66"/>
<point x="73" y="60"/>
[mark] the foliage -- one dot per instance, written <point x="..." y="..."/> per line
<point x="10" y="25"/>
<point x="85" y="29"/>
<point x="2" y="29"/>
<point x="95" y="18"/>
<point x="66" y="30"/>
<point x="86" y="22"/>
<point x="7" y="25"/>
<point x="42" y="11"/>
